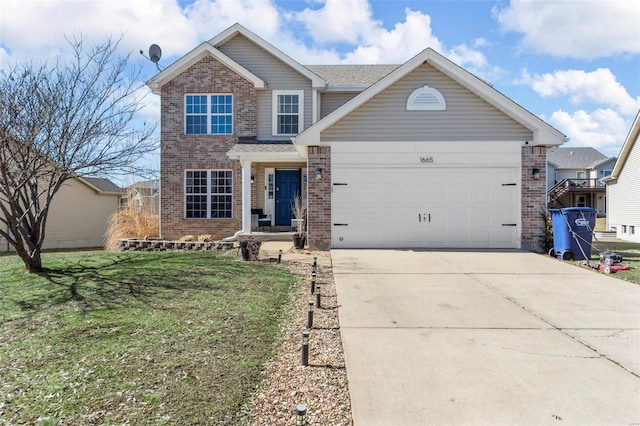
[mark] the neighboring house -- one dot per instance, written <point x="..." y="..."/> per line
<point x="623" y="189"/>
<point x="79" y="214"/>
<point x="423" y="154"/>
<point x="574" y="178"/>
<point x="142" y="194"/>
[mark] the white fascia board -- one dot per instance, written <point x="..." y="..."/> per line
<point x="311" y="136"/>
<point x="194" y="56"/>
<point x="543" y="133"/>
<point x="634" y="132"/>
<point x="316" y="81"/>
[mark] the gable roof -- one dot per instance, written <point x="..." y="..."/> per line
<point x="629" y="143"/>
<point x="576" y="157"/>
<point x="101" y="185"/>
<point x="201" y="51"/>
<point x="235" y="29"/>
<point x="543" y="133"/>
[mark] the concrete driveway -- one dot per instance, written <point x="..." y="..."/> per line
<point x="495" y="338"/>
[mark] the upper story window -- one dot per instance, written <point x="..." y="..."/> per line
<point x="288" y="107"/>
<point x="426" y="98"/>
<point x="209" y="114"/>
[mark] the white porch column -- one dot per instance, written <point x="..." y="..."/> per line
<point x="246" y="196"/>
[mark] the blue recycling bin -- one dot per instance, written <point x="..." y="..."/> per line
<point x="572" y="232"/>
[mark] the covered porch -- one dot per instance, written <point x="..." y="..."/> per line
<point x="273" y="174"/>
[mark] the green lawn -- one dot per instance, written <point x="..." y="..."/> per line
<point x="137" y="338"/>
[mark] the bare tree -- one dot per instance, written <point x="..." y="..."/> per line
<point x="57" y="123"/>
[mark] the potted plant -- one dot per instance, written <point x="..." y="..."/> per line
<point x="299" y="212"/>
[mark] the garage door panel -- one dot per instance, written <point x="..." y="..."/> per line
<point x="417" y="207"/>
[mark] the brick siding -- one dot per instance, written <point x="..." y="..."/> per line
<point x="534" y="197"/>
<point x="319" y="198"/>
<point x="180" y="152"/>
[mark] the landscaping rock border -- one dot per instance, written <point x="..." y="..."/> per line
<point x="323" y="384"/>
<point x="131" y="244"/>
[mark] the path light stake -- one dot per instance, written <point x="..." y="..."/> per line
<point x="315" y="261"/>
<point x="317" y="296"/>
<point x="305" y="348"/>
<point x="279" y="256"/>
<point x="310" y="315"/>
<point x="301" y="412"/>
<point x="313" y="282"/>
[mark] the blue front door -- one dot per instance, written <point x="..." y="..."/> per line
<point x="287" y="187"/>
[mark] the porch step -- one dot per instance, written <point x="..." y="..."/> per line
<point x="266" y="236"/>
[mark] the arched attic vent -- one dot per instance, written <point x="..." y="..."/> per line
<point x="426" y="98"/>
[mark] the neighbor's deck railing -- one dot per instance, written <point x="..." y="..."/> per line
<point x="566" y="185"/>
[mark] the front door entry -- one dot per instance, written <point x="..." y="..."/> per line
<point x="287" y="187"/>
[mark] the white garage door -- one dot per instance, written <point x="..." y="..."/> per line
<point x="430" y="196"/>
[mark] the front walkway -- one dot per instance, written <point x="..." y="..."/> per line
<point x="443" y="337"/>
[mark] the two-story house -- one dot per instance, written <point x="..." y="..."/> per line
<point x="574" y="178"/>
<point x="422" y="154"/>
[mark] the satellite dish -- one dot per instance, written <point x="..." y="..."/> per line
<point x="155" y="53"/>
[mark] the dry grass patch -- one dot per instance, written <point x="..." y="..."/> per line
<point x="136" y="220"/>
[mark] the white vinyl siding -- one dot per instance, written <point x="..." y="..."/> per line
<point x="623" y="199"/>
<point x="331" y="101"/>
<point x="277" y="75"/>
<point x="468" y="117"/>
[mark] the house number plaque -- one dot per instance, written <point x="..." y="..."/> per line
<point x="426" y="160"/>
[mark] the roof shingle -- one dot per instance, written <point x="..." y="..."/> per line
<point x="575" y="158"/>
<point x="345" y="75"/>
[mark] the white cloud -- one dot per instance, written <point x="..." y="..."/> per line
<point x="475" y="62"/>
<point x="342" y="21"/>
<point x="398" y="45"/>
<point x="598" y="87"/>
<point x="210" y="17"/>
<point x="37" y="28"/>
<point x="574" y="28"/>
<point x="602" y="129"/>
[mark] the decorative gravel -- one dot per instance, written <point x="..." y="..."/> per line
<point x="322" y="385"/>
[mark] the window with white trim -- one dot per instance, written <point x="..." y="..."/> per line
<point x="426" y="98"/>
<point x="208" y="114"/>
<point x="288" y="115"/>
<point x="209" y="194"/>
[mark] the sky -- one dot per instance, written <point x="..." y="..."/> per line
<point x="573" y="63"/>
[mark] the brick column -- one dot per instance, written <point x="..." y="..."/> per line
<point x="534" y="197"/>
<point x="319" y="198"/>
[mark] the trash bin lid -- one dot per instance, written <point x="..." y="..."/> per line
<point x="578" y="209"/>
